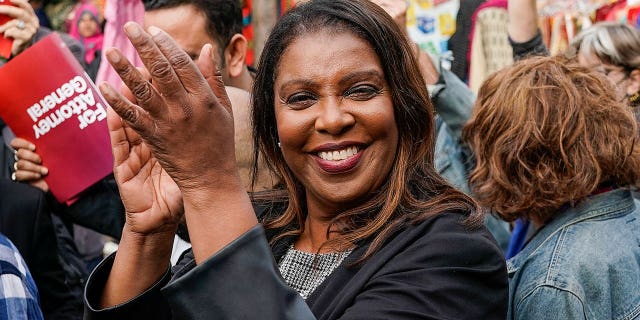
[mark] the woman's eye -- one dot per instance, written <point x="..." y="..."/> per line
<point x="300" y="100"/>
<point x="362" y="92"/>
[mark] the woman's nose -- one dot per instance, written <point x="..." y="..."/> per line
<point x="334" y="118"/>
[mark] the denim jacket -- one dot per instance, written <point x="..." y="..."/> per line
<point x="584" y="264"/>
<point x="454" y="102"/>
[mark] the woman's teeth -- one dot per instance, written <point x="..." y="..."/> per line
<point x="338" y="154"/>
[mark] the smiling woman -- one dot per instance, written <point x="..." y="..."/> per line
<point x="362" y="228"/>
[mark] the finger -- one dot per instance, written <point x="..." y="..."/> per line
<point x="185" y="69"/>
<point x="136" y="117"/>
<point x="120" y="146"/>
<point x="28" y="14"/>
<point x="145" y="95"/>
<point x="145" y="74"/>
<point x="126" y="92"/>
<point x="40" y="184"/>
<point x="159" y="67"/>
<point x="213" y="76"/>
<point x="19" y="143"/>
<point x="17" y="34"/>
<point x="24" y="165"/>
<point x="11" y="29"/>
<point x="13" y="12"/>
<point x="8" y="25"/>
<point x="22" y="175"/>
<point x="24" y="154"/>
<point x="24" y="5"/>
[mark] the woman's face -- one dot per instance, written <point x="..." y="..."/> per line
<point x="335" y="119"/>
<point x="625" y="84"/>
<point x="87" y="26"/>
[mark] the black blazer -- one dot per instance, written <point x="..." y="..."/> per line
<point x="26" y="220"/>
<point x="434" y="270"/>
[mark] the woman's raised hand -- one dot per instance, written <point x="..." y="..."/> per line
<point x="188" y="129"/>
<point x="176" y="123"/>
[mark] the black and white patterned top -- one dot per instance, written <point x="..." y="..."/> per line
<point x="304" y="271"/>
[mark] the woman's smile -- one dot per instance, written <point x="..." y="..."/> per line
<point x="335" y="118"/>
<point x="336" y="159"/>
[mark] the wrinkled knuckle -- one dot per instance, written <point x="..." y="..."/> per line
<point x="142" y="92"/>
<point x="180" y="60"/>
<point x="160" y="70"/>
<point x="143" y="45"/>
<point x="130" y="115"/>
<point x="122" y="69"/>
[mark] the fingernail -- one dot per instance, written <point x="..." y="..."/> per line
<point x="113" y="56"/>
<point x="105" y="89"/>
<point x="45" y="171"/>
<point x="32" y="147"/>
<point x="132" y="29"/>
<point x="153" y="30"/>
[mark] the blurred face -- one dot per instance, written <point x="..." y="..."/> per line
<point x="616" y="74"/>
<point x="188" y="27"/>
<point x="335" y="119"/>
<point x="87" y="26"/>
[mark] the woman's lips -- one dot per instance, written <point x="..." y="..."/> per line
<point x="339" y="166"/>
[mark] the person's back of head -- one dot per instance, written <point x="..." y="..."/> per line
<point x="547" y="132"/>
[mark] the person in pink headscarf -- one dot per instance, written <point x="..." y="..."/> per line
<point x="87" y="29"/>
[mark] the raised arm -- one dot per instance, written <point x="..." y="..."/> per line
<point x="523" y="20"/>
<point x="180" y="128"/>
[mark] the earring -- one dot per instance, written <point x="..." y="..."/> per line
<point x="279" y="145"/>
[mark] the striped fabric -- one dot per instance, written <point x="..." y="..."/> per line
<point x="18" y="292"/>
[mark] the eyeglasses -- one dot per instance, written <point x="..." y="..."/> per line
<point x="617" y="74"/>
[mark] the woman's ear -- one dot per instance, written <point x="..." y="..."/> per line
<point x="633" y="85"/>
<point x="235" y="54"/>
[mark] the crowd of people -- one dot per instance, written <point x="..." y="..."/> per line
<point x="349" y="175"/>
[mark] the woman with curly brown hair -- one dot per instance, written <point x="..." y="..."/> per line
<point x="554" y="146"/>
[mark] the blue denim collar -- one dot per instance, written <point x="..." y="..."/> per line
<point x="617" y="202"/>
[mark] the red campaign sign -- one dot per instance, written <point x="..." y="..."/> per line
<point x="48" y="99"/>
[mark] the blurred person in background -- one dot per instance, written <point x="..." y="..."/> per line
<point x="553" y="146"/>
<point x="611" y="48"/>
<point x="87" y="28"/>
<point x="453" y="102"/>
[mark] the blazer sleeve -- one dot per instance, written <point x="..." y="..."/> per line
<point x="452" y="274"/>
<point x="239" y="282"/>
<point x="148" y="305"/>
